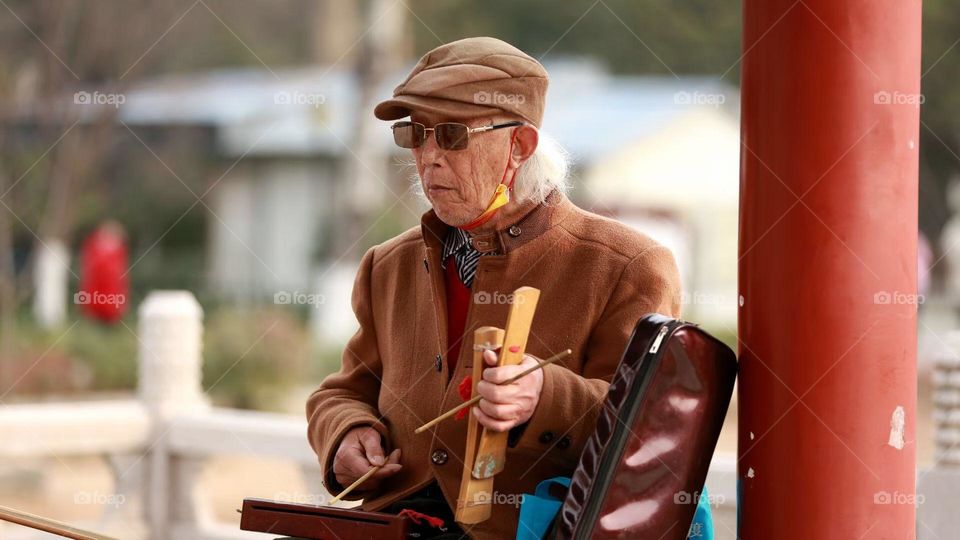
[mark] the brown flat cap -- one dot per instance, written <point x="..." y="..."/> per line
<point x="469" y="78"/>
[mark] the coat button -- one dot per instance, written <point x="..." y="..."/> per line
<point x="438" y="363"/>
<point x="438" y="457"/>
<point x="546" y="437"/>
<point x="514" y="231"/>
<point x="563" y="443"/>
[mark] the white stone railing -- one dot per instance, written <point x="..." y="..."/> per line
<point x="939" y="486"/>
<point x="158" y="444"/>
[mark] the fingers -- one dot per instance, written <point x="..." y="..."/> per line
<point x="391" y="467"/>
<point x="503" y="406"/>
<point x="499" y="394"/>
<point x="490" y="356"/>
<point x="370" y="440"/>
<point x="353" y="464"/>
<point x="491" y="423"/>
<point x="499" y="374"/>
<point x="350" y="458"/>
<point x="360" y="450"/>
<point x="500" y="411"/>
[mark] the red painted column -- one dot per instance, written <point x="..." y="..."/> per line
<point x="828" y="269"/>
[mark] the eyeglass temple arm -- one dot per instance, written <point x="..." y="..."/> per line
<point x="496" y="126"/>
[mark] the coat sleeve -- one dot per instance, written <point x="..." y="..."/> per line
<point x="348" y="398"/>
<point x="570" y="402"/>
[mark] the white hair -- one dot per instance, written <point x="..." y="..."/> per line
<point x="547" y="169"/>
<point x="544" y="171"/>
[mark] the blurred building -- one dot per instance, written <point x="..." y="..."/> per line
<point x="660" y="153"/>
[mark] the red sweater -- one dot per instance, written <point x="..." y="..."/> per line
<point x="458" y="300"/>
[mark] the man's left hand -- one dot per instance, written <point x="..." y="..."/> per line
<point x="504" y="407"/>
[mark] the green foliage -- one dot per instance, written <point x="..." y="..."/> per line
<point x="108" y="351"/>
<point x="250" y="357"/>
<point x="646" y="36"/>
<point x="80" y="356"/>
<point x="940" y="113"/>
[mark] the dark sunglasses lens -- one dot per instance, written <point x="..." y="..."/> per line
<point x="452" y="136"/>
<point x="408" y="134"/>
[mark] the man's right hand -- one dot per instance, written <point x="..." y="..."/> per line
<point x="360" y="450"/>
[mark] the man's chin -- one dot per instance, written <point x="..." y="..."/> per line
<point x="454" y="219"/>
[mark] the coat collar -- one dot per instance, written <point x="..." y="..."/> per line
<point x="533" y="221"/>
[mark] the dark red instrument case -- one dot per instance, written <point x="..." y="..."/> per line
<point x="646" y="462"/>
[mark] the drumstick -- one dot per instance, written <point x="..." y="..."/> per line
<point x="48" y="525"/>
<point x="474" y="400"/>
<point x="356" y="483"/>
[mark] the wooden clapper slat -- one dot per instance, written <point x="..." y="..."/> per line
<point x="484" y="458"/>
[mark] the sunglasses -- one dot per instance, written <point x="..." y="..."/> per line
<point x="449" y="135"/>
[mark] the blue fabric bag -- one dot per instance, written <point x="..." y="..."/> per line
<point x="538" y="510"/>
<point x="702" y="526"/>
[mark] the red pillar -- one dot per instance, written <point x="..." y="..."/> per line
<point x="828" y="231"/>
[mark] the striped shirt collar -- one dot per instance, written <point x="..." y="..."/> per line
<point x="458" y="244"/>
<point x="455" y="241"/>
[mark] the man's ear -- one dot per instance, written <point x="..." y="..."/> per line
<point x="525" y="142"/>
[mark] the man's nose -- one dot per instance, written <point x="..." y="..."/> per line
<point x="430" y="150"/>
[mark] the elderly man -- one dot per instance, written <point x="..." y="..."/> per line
<point x="499" y="220"/>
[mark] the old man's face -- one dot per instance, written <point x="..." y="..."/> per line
<point x="460" y="183"/>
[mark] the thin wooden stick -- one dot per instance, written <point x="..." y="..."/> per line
<point x="356" y="483"/>
<point x="48" y="525"/>
<point x="476" y="399"/>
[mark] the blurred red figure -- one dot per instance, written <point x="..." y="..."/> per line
<point x="104" y="285"/>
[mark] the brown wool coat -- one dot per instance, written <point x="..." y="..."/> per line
<point x="597" y="277"/>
